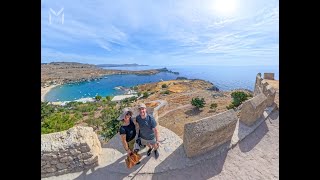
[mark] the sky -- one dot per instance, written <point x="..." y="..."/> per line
<point x="161" y="32"/>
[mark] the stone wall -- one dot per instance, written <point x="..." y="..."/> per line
<point x="208" y="133"/>
<point x="73" y="150"/>
<point x="268" y="76"/>
<point x="262" y="86"/>
<point x="257" y="85"/>
<point x="253" y="109"/>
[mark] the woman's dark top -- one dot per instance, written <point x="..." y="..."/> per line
<point x="129" y="131"/>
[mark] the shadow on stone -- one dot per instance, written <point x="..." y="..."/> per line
<point x="111" y="171"/>
<point x="274" y="115"/>
<point x="117" y="169"/>
<point x="203" y="166"/>
<point x="254" y="138"/>
<point x="193" y="112"/>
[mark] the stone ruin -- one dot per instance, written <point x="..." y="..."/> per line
<point x="211" y="132"/>
<point x="67" y="151"/>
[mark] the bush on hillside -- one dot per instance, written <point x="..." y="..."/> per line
<point x="199" y="103"/>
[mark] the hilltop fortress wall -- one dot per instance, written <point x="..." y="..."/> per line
<point x="209" y="133"/>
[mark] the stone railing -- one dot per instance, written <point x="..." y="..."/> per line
<point x="208" y="133"/>
<point x="253" y="109"/>
<point x="73" y="150"/>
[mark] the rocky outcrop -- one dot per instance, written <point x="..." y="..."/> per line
<point x="73" y="150"/>
<point x="208" y="133"/>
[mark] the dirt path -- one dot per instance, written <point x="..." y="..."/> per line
<point x="180" y="107"/>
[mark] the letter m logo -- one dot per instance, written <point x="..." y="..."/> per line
<point x="56" y="14"/>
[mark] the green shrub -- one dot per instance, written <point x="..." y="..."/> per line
<point x="145" y="95"/>
<point x="108" y="98"/>
<point x="238" y="98"/>
<point x="46" y="110"/>
<point x="199" y="103"/>
<point x="165" y="92"/>
<point x="231" y="106"/>
<point x="164" y="86"/>
<point x="94" y="122"/>
<point x="213" y="105"/>
<point x="57" y="122"/>
<point x="98" y="97"/>
<point x="110" y="125"/>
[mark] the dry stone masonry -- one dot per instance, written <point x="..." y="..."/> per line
<point x="68" y="151"/>
<point x="208" y="133"/>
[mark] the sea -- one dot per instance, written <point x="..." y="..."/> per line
<point x="223" y="77"/>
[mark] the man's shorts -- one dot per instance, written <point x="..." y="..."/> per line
<point x="145" y="142"/>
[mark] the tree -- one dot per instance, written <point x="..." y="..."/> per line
<point x="98" y="97"/>
<point x="238" y="98"/>
<point x="199" y="103"/>
<point x="108" y="98"/>
<point x="164" y="86"/>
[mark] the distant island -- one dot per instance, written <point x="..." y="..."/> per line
<point x="119" y="65"/>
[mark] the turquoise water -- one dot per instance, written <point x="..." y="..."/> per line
<point x="103" y="87"/>
<point x="224" y="77"/>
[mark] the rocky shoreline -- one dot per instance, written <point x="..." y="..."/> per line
<point x="63" y="72"/>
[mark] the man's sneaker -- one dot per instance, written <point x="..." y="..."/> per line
<point x="156" y="154"/>
<point x="138" y="163"/>
<point x="149" y="152"/>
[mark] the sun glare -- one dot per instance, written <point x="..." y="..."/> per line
<point x="224" y="7"/>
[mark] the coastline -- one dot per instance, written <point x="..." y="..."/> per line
<point x="45" y="90"/>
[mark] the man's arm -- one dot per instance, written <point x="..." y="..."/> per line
<point x="155" y="130"/>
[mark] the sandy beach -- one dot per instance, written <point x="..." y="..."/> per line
<point x="45" y="90"/>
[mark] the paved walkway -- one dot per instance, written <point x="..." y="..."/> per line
<point x="255" y="157"/>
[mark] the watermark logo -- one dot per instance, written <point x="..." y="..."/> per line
<point x="56" y="14"/>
